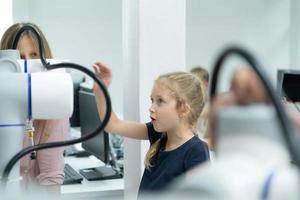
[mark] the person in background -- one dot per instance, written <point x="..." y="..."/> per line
<point x="47" y="169"/>
<point x="174" y="111"/>
<point x="203" y="76"/>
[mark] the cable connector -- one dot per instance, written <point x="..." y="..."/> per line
<point x="29" y="129"/>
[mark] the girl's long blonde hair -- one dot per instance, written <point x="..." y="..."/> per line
<point x="186" y="89"/>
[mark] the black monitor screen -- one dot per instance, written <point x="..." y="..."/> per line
<point x="291" y="86"/>
<point x="89" y="121"/>
<point x="77" y="79"/>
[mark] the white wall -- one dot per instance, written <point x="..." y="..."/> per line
<point x="82" y="32"/>
<point x="85" y="32"/>
<point x="6" y="17"/>
<point x="261" y="26"/>
<point x="20" y="10"/>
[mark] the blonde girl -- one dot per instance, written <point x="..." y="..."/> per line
<point x="175" y="109"/>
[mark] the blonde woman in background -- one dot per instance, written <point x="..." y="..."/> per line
<point x="202" y="125"/>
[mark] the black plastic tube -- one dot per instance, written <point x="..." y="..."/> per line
<point x="289" y="135"/>
<point x="30" y="28"/>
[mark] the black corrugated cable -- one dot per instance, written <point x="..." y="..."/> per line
<point x="291" y="138"/>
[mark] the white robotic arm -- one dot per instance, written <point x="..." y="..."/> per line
<point x="40" y="95"/>
<point x="51" y="87"/>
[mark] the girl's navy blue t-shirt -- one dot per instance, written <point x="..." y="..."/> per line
<point x="170" y="164"/>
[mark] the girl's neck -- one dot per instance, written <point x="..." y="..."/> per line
<point x="178" y="137"/>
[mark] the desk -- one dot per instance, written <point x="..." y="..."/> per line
<point x="107" y="189"/>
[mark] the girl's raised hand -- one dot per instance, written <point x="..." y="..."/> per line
<point x="103" y="72"/>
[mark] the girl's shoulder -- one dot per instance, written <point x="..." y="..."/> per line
<point x="193" y="146"/>
<point x="197" y="153"/>
<point x="200" y="145"/>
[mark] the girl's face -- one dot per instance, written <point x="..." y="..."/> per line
<point x="27" y="48"/>
<point x="163" y="112"/>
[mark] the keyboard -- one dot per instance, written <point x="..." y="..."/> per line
<point x="71" y="176"/>
<point x="100" y="173"/>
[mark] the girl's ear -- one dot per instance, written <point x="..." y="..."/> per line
<point x="183" y="109"/>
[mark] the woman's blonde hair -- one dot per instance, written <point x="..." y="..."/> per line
<point x="201" y="73"/>
<point x="10" y="33"/>
<point x="186" y="89"/>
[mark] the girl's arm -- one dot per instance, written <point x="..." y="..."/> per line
<point x="115" y="125"/>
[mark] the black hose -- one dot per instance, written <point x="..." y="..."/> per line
<point x="101" y="126"/>
<point x="30" y="28"/>
<point x="286" y="126"/>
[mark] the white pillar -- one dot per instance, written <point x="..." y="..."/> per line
<point x="154" y="43"/>
<point x="132" y="148"/>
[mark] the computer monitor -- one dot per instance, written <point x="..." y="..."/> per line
<point x="288" y="84"/>
<point x="77" y="80"/>
<point x="98" y="145"/>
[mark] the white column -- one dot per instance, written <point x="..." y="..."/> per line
<point x="154" y="43"/>
<point x="132" y="148"/>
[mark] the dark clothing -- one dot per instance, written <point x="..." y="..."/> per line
<point x="168" y="165"/>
